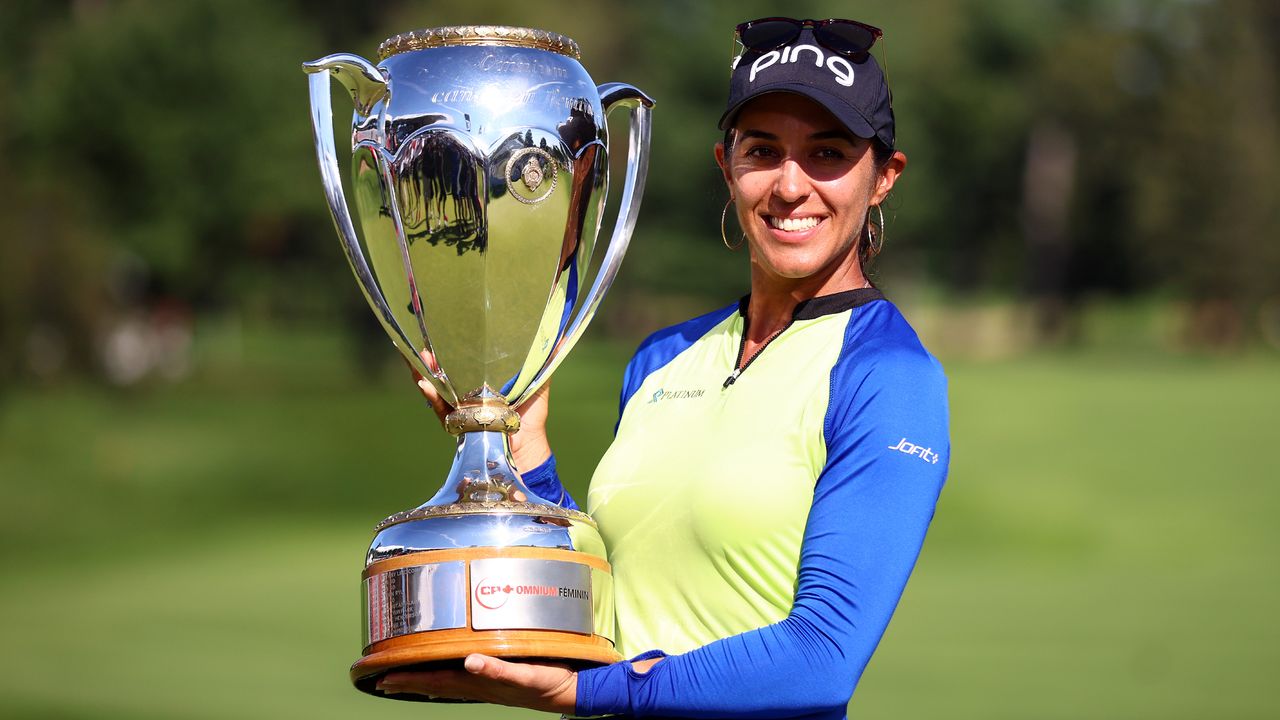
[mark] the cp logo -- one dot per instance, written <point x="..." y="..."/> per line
<point x="491" y="595"/>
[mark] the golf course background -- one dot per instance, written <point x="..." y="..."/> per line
<point x="200" y="422"/>
<point x="1105" y="546"/>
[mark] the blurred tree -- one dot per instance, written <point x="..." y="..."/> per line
<point x="49" y="283"/>
<point x="1172" y="106"/>
<point x="1206" y="216"/>
<point x="1058" y="149"/>
<point x="161" y="135"/>
<point x="967" y="140"/>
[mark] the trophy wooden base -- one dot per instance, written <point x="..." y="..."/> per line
<point x="446" y="649"/>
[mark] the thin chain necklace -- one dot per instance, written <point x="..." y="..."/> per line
<point x="740" y="367"/>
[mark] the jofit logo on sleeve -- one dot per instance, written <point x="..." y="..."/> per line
<point x="909" y="448"/>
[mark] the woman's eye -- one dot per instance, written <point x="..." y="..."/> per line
<point x="830" y="153"/>
<point x="759" y="151"/>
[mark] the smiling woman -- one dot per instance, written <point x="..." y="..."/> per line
<point x="802" y="184"/>
<point x="777" y="462"/>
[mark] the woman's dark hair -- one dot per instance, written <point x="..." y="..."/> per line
<point x="880" y="152"/>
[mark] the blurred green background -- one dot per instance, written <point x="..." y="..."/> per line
<point x="200" y="421"/>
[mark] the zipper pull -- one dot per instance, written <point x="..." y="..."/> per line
<point x="732" y="377"/>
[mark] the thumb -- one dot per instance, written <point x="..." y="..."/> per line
<point x="507" y="673"/>
<point x="486" y="667"/>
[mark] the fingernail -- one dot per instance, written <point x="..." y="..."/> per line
<point x="473" y="663"/>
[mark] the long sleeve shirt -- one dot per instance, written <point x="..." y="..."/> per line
<point x="762" y="522"/>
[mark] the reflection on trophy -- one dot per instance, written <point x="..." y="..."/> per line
<point x="480" y="164"/>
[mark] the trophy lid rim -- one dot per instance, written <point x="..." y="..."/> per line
<point x="451" y="35"/>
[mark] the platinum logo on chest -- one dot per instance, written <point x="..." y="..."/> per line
<point x="660" y="395"/>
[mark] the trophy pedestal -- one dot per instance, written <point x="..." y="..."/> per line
<point x="445" y="649"/>
<point x="430" y="609"/>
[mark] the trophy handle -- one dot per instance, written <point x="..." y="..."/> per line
<point x="367" y="87"/>
<point x="612" y="95"/>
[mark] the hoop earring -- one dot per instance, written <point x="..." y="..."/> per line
<point x="724" y="216"/>
<point x="875" y="240"/>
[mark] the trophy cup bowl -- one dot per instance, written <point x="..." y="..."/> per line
<point x="479" y="169"/>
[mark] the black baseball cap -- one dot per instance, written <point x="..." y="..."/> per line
<point x="850" y="87"/>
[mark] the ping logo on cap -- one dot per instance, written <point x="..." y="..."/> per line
<point x="839" y="68"/>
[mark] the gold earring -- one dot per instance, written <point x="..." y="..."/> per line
<point x="724" y="216"/>
<point x="875" y="241"/>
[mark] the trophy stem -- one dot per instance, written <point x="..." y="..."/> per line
<point x="482" y="411"/>
<point x="483" y="474"/>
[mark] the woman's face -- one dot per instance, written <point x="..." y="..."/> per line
<point x="802" y="184"/>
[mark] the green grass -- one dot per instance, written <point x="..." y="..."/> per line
<point x="1105" y="546"/>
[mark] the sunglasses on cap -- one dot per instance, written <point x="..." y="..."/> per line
<point x="847" y="37"/>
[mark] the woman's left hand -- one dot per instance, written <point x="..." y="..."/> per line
<point x="550" y="688"/>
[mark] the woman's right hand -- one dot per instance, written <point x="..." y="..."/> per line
<point x="529" y="445"/>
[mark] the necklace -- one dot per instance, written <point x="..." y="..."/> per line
<point x="739" y="366"/>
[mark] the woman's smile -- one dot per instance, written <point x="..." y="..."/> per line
<point x="793" y="228"/>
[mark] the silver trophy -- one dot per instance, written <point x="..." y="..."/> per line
<point x="480" y="167"/>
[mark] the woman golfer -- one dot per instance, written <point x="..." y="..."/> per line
<point x="777" y="461"/>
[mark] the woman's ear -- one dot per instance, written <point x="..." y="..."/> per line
<point x="888" y="176"/>
<point x="723" y="162"/>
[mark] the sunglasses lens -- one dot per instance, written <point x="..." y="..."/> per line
<point x="768" y="34"/>
<point x="845" y="38"/>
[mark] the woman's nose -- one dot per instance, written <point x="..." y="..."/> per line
<point x="792" y="183"/>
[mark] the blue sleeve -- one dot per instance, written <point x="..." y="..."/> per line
<point x="887" y="454"/>
<point x="545" y="482"/>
